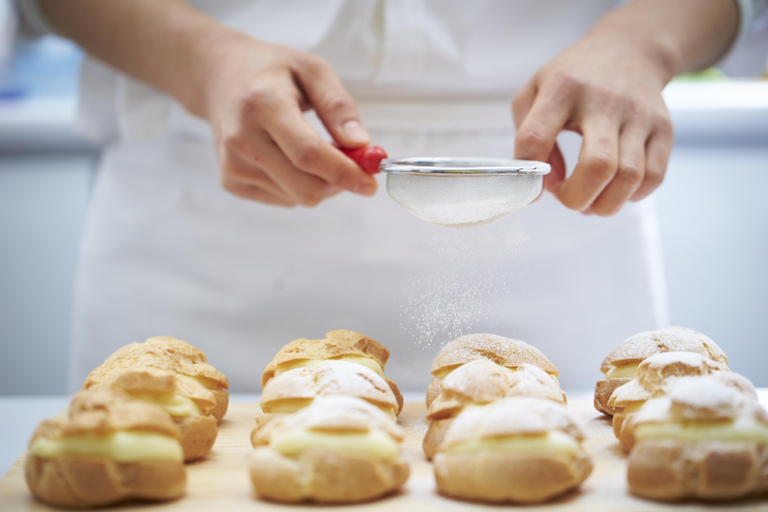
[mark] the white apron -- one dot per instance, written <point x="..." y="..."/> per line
<point x="166" y="251"/>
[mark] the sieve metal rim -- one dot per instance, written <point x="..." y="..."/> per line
<point x="471" y="166"/>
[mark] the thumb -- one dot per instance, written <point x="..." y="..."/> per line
<point x="332" y="103"/>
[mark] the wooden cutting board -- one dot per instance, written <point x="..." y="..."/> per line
<point x="221" y="481"/>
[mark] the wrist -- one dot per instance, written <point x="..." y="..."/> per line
<point x="657" y="48"/>
<point x="209" y="48"/>
<point x="679" y="36"/>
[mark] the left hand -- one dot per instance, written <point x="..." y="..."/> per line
<point x="608" y="89"/>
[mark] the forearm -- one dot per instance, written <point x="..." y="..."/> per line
<point x="167" y="44"/>
<point x="680" y="35"/>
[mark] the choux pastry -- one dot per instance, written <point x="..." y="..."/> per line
<point x="519" y="449"/>
<point x="703" y="440"/>
<point x="107" y="449"/>
<point x="339" y="449"/>
<point x="621" y="364"/>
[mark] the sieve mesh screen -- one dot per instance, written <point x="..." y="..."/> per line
<point x="463" y="201"/>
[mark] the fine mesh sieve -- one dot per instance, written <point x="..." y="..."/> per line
<point x="463" y="192"/>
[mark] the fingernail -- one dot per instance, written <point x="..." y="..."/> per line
<point x="355" y="132"/>
<point x="365" y="189"/>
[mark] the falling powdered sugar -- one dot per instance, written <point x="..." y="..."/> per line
<point x="464" y="286"/>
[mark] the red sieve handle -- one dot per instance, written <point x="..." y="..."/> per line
<point x="367" y="158"/>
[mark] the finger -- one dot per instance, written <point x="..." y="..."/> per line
<point x="333" y="104"/>
<point x="554" y="180"/>
<point x="306" y="150"/>
<point x="546" y="117"/>
<point x="597" y="165"/>
<point x="306" y="189"/>
<point x="523" y="101"/>
<point x="247" y="172"/>
<point x="657" y="152"/>
<point x="253" y="193"/>
<point x="629" y="175"/>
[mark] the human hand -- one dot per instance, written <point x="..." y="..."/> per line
<point x="255" y="94"/>
<point x="607" y="88"/>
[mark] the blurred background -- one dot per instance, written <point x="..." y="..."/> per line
<point x="713" y="210"/>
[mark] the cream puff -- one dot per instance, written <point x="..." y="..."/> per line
<point x="506" y="352"/>
<point x="296" y="389"/>
<point x="703" y="440"/>
<point x="620" y="366"/>
<point x="107" y="449"/>
<point x="188" y="402"/>
<point x="167" y="353"/>
<point x="480" y="382"/>
<point x="519" y="449"/>
<point x="338" y="345"/>
<point x="657" y="374"/>
<point x="339" y="449"/>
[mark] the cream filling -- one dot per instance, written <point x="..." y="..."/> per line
<point x="742" y="429"/>
<point x="632" y="407"/>
<point x="625" y="371"/>
<point x="120" y="446"/>
<point x="551" y="443"/>
<point x="291" y="405"/>
<point x="374" y="443"/>
<point x="175" y="405"/>
<point x="312" y="363"/>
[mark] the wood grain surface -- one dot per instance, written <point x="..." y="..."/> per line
<point x="221" y="481"/>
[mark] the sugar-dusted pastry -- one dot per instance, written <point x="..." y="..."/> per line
<point x="167" y="353"/>
<point x="296" y="389"/>
<point x="624" y="429"/>
<point x="349" y="346"/>
<point x="519" y="449"/>
<point x="188" y="402"/>
<point x="505" y="352"/>
<point x="339" y="449"/>
<point x="481" y="382"/>
<point x="107" y="449"/>
<point x="657" y="374"/>
<point x="703" y="440"/>
<point x="621" y="365"/>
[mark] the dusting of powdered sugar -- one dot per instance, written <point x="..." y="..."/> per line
<point x="466" y="284"/>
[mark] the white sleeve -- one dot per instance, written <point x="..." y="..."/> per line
<point x="748" y="55"/>
<point x="32" y="21"/>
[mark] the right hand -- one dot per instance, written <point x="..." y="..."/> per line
<point x="254" y="94"/>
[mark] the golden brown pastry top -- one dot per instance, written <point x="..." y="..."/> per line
<point x="699" y="399"/>
<point x="155" y="381"/>
<point x="657" y="374"/>
<point x="670" y="339"/>
<point x="336" y="344"/>
<point x="481" y="382"/>
<point x="511" y="416"/>
<point x="102" y="412"/>
<point x="505" y="352"/>
<point x="330" y="378"/>
<point x="335" y="414"/>
<point x="161" y="352"/>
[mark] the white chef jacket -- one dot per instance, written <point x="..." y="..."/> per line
<point x="166" y="251"/>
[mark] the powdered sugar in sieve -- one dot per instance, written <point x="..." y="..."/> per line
<point x="463" y="192"/>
